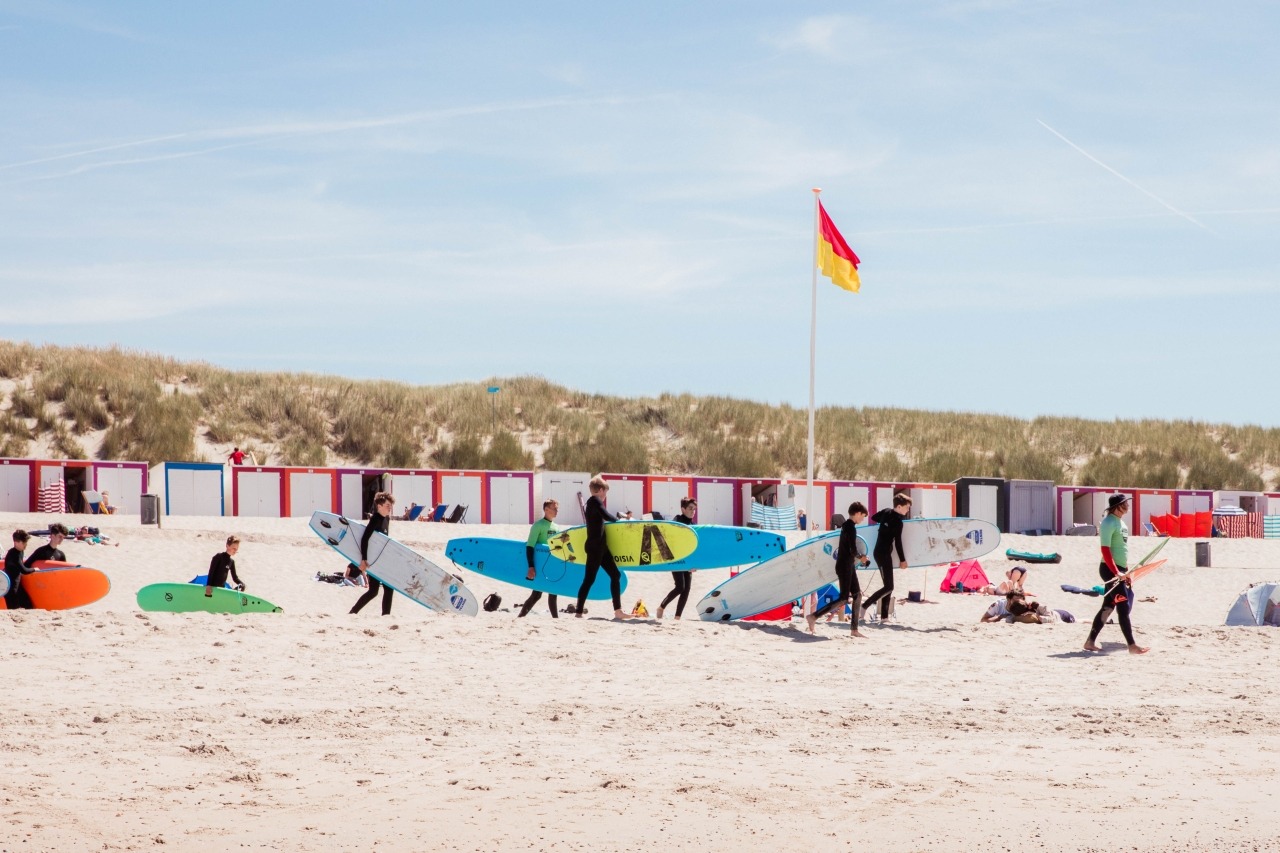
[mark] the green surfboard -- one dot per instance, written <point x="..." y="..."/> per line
<point x="190" y="598"/>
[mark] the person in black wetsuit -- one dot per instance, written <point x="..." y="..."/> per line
<point x="847" y="561"/>
<point x="16" y="598"/>
<point x="684" y="580"/>
<point x="50" y="551"/>
<point x="222" y="564"/>
<point x="598" y="555"/>
<point x="379" y="522"/>
<point x="888" y="538"/>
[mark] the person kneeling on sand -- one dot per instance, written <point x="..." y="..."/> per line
<point x="222" y="564"/>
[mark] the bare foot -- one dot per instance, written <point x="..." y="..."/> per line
<point x="618" y="614"/>
<point x="659" y="613"/>
<point x="858" y="634"/>
<point x="1092" y="647"/>
<point x="1138" y="650"/>
<point x="810" y="621"/>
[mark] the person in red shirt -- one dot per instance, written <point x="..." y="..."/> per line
<point x="237" y="457"/>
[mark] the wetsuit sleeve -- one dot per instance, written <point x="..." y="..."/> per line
<point x="213" y="562"/>
<point x="364" y="541"/>
<point x="231" y="567"/>
<point x="528" y="554"/>
<point x="897" y="540"/>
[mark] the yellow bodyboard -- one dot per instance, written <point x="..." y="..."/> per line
<point x="635" y="545"/>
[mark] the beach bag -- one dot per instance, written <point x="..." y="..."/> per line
<point x="492" y="601"/>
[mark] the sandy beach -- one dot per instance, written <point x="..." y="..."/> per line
<point x="317" y="730"/>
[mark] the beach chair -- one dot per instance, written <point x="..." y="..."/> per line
<point x="1150" y="529"/>
<point x="837" y="520"/>
<point x="92" y="502"/>
<point x="414" y="512"/>
<point x="438" y="513"/>
<point x="459" y="513"/>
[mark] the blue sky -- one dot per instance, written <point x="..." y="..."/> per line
<point x="1062" y="208"/>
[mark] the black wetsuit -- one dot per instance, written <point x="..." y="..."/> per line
<point x="45" y="552"/>
<point x="219" y="567"/>
<point x="684" y="580"/>
<point x="888" y="537"/>
<point x="847" y="571"/>
<point x="598" y="555"/>
<point x="16" y="598"/>
<point x="1118" y="599"/>
<point x="379" y="523"/>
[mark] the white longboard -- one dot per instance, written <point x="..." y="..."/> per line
<point x="812" y="564"/>
<point x="396" y="565"/>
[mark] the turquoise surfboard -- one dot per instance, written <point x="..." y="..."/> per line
<point x="721" y="547"/>
<point x="504" y="560"/>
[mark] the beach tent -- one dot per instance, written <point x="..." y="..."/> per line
<point x="1257" y="605"/>
<point x="969" y="573"/>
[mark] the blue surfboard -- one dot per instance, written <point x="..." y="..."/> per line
<point x="504" y="560"/>
<point x="721" y="546"/>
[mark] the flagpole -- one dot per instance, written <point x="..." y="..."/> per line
<point x="813" y="359"/>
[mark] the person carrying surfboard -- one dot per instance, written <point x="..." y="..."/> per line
<point x="888" y="538"/>
<point x="16" y="598"/>
<point x="847" y="562"/>
<point x="684" y="580"/>
<point x="379" y="522"/>
<point x="540" y="534"/>
<point x="598" y="555"/>
<point x="1114" y="537"/>
<point x="222" y="564"/>
<point x="50" y="550"/>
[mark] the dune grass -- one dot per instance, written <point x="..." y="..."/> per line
<point x="152" y="408"/>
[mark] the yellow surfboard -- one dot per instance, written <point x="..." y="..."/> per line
<point x="635" y="545"/>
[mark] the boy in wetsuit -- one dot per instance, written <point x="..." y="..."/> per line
<point x="540" y="534"/>
<point x="379" y="522"/>
<point x="222" y="564"/>
<point x="598" y="555"/>
<point x="847" y="561"/>
<point x="888" y="538"/>
<point x="50" y="551"/>
<point x="684" y="580"/>
<point x="16" y="598"/>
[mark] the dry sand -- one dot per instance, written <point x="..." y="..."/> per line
<point x="316" y="730"/>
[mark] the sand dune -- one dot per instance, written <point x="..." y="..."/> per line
<point x="316" y="730"/>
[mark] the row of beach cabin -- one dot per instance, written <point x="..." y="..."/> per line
<point x="1037" y="507"/>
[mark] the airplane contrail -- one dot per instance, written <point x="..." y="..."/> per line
<point x="1129" y="181"/>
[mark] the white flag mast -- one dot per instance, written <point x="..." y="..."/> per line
<point x="813" y="355"/>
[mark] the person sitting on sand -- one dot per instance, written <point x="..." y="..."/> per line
<point x="105" y="507"/>
<point x="220" y="566"/>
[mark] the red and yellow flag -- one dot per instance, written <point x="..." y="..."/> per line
<point x="835" y="259"/>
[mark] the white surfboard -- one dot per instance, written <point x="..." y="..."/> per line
<point x="397" y="565"/>
<point x="812" y="564"/>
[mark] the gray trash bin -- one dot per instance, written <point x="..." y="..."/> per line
<point x="151" y="509"/>
<point x="1202" y="553"/>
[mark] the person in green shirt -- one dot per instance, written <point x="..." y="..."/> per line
<point x="1114" y="536"/>
<point x="540" y="534"/>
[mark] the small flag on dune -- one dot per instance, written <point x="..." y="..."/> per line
<point x="836" y="260"/>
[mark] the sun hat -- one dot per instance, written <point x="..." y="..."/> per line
<point x="1115" y="501"/>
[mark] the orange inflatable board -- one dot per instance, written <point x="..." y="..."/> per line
<point x="64" y="586"/>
